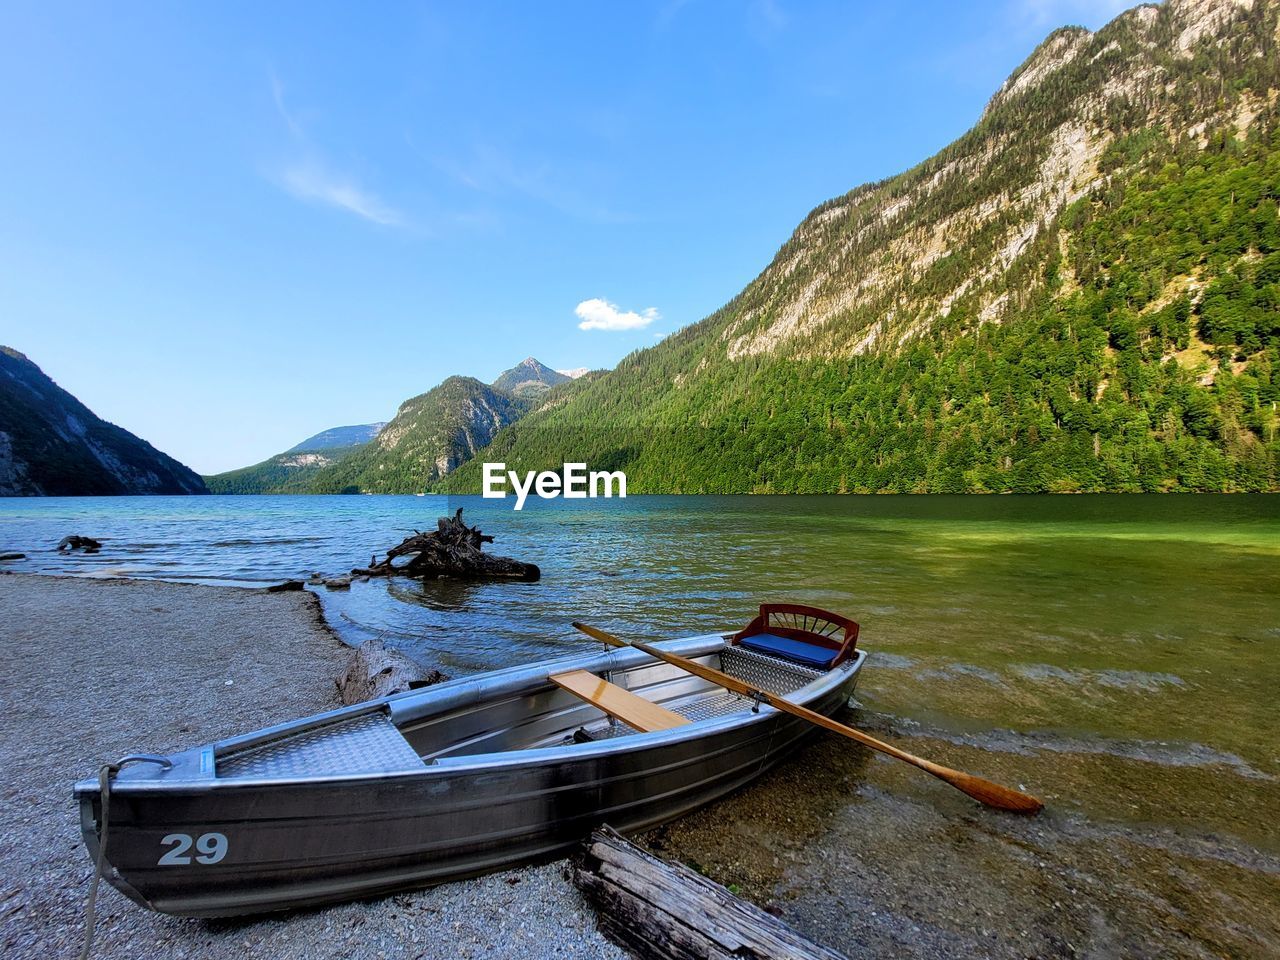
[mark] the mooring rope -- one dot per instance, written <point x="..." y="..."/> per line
<point x="105" y="773"/>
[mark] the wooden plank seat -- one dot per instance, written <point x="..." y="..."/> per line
<point x="621" y="704"/>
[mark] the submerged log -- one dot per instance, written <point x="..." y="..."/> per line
<point x="375" y="670"/>
<point x="451" y="550"/>
<point x="77" y="542"/>
<point x="665" y="911"/>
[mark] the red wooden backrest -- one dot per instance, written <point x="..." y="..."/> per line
<point x="822" y="628"/>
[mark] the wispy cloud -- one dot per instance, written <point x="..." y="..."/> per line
<point x="277" y="94"/>
<point x="309" y="177"/>
<point x="765" y="19"/>
<point x="310" y="181"/>
<point x="598" y="314"/>
<point x="495" y="173"/>
<point x="668" y="12"/>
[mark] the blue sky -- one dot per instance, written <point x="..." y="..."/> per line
<point x="228" y="226"/>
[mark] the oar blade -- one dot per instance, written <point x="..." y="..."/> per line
<point x="992" y="794"/>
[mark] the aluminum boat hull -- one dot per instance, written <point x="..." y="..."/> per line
<point x="232" y="828"/>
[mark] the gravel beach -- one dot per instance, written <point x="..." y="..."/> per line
<point x="99" y="668"/>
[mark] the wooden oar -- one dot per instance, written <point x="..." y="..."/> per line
<point x="992" y="794"/>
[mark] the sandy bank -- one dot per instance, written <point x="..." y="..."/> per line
<point x="96" y="669"/>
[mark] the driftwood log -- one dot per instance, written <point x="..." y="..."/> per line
<point x="376" y="670"/>
<point x="665" y="911"/>
<point x="451" y="550"/>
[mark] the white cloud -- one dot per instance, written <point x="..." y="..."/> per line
<point x="598" y="314"/>
<point x="277" y="93"/>
<point x="765" y="18"/>
<point x="310" y="181"/>
<point x="498" y="173"/>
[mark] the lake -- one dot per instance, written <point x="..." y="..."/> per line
<point x="1143" y="619"/>
<point x="1119" y="652"/>
<point x="1134" y="618"/>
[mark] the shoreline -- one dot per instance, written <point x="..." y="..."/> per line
<point x="855" y="851"/>
<point x="101" y="667"/>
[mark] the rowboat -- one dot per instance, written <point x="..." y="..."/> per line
<point x="464" y="777"/>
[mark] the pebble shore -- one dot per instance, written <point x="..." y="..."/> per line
<point x="99" y="668"/>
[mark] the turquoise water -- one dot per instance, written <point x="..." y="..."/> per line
<point x="1145" y="626"/>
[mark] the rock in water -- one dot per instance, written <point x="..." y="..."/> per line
<point x="376" y="671"/>
<point x="13" y="556"/>
<point x="287" y="587"/>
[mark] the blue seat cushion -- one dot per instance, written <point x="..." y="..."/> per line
<point x="797" y="651"/>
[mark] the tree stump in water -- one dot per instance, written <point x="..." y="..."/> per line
<point x="77" y="542"/>
<point x="451" y="550"/>
<point x="659" y="910"/>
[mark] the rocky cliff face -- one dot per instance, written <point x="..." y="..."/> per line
<point x="53" y="445"/>
<point x="1072" y="296"/>
<point x="883" y="265"/>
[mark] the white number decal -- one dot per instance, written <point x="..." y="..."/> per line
<point x="211" y="848"/>
<point x="178" y="855"/>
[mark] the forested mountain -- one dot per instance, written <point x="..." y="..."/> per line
<point x="293" y="470"/>
<point x="1081" y="293"/>
<point x="430" y="435"/>
<point x="528" y="379"/>
<point x="51" y="444"/>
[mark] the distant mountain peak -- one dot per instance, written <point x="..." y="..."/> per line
<point x="336" y="438"/>
<point x="528" y="378"/>
<point x="575" y="373"/>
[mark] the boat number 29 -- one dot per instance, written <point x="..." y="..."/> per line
<point x="210" y="848"/>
